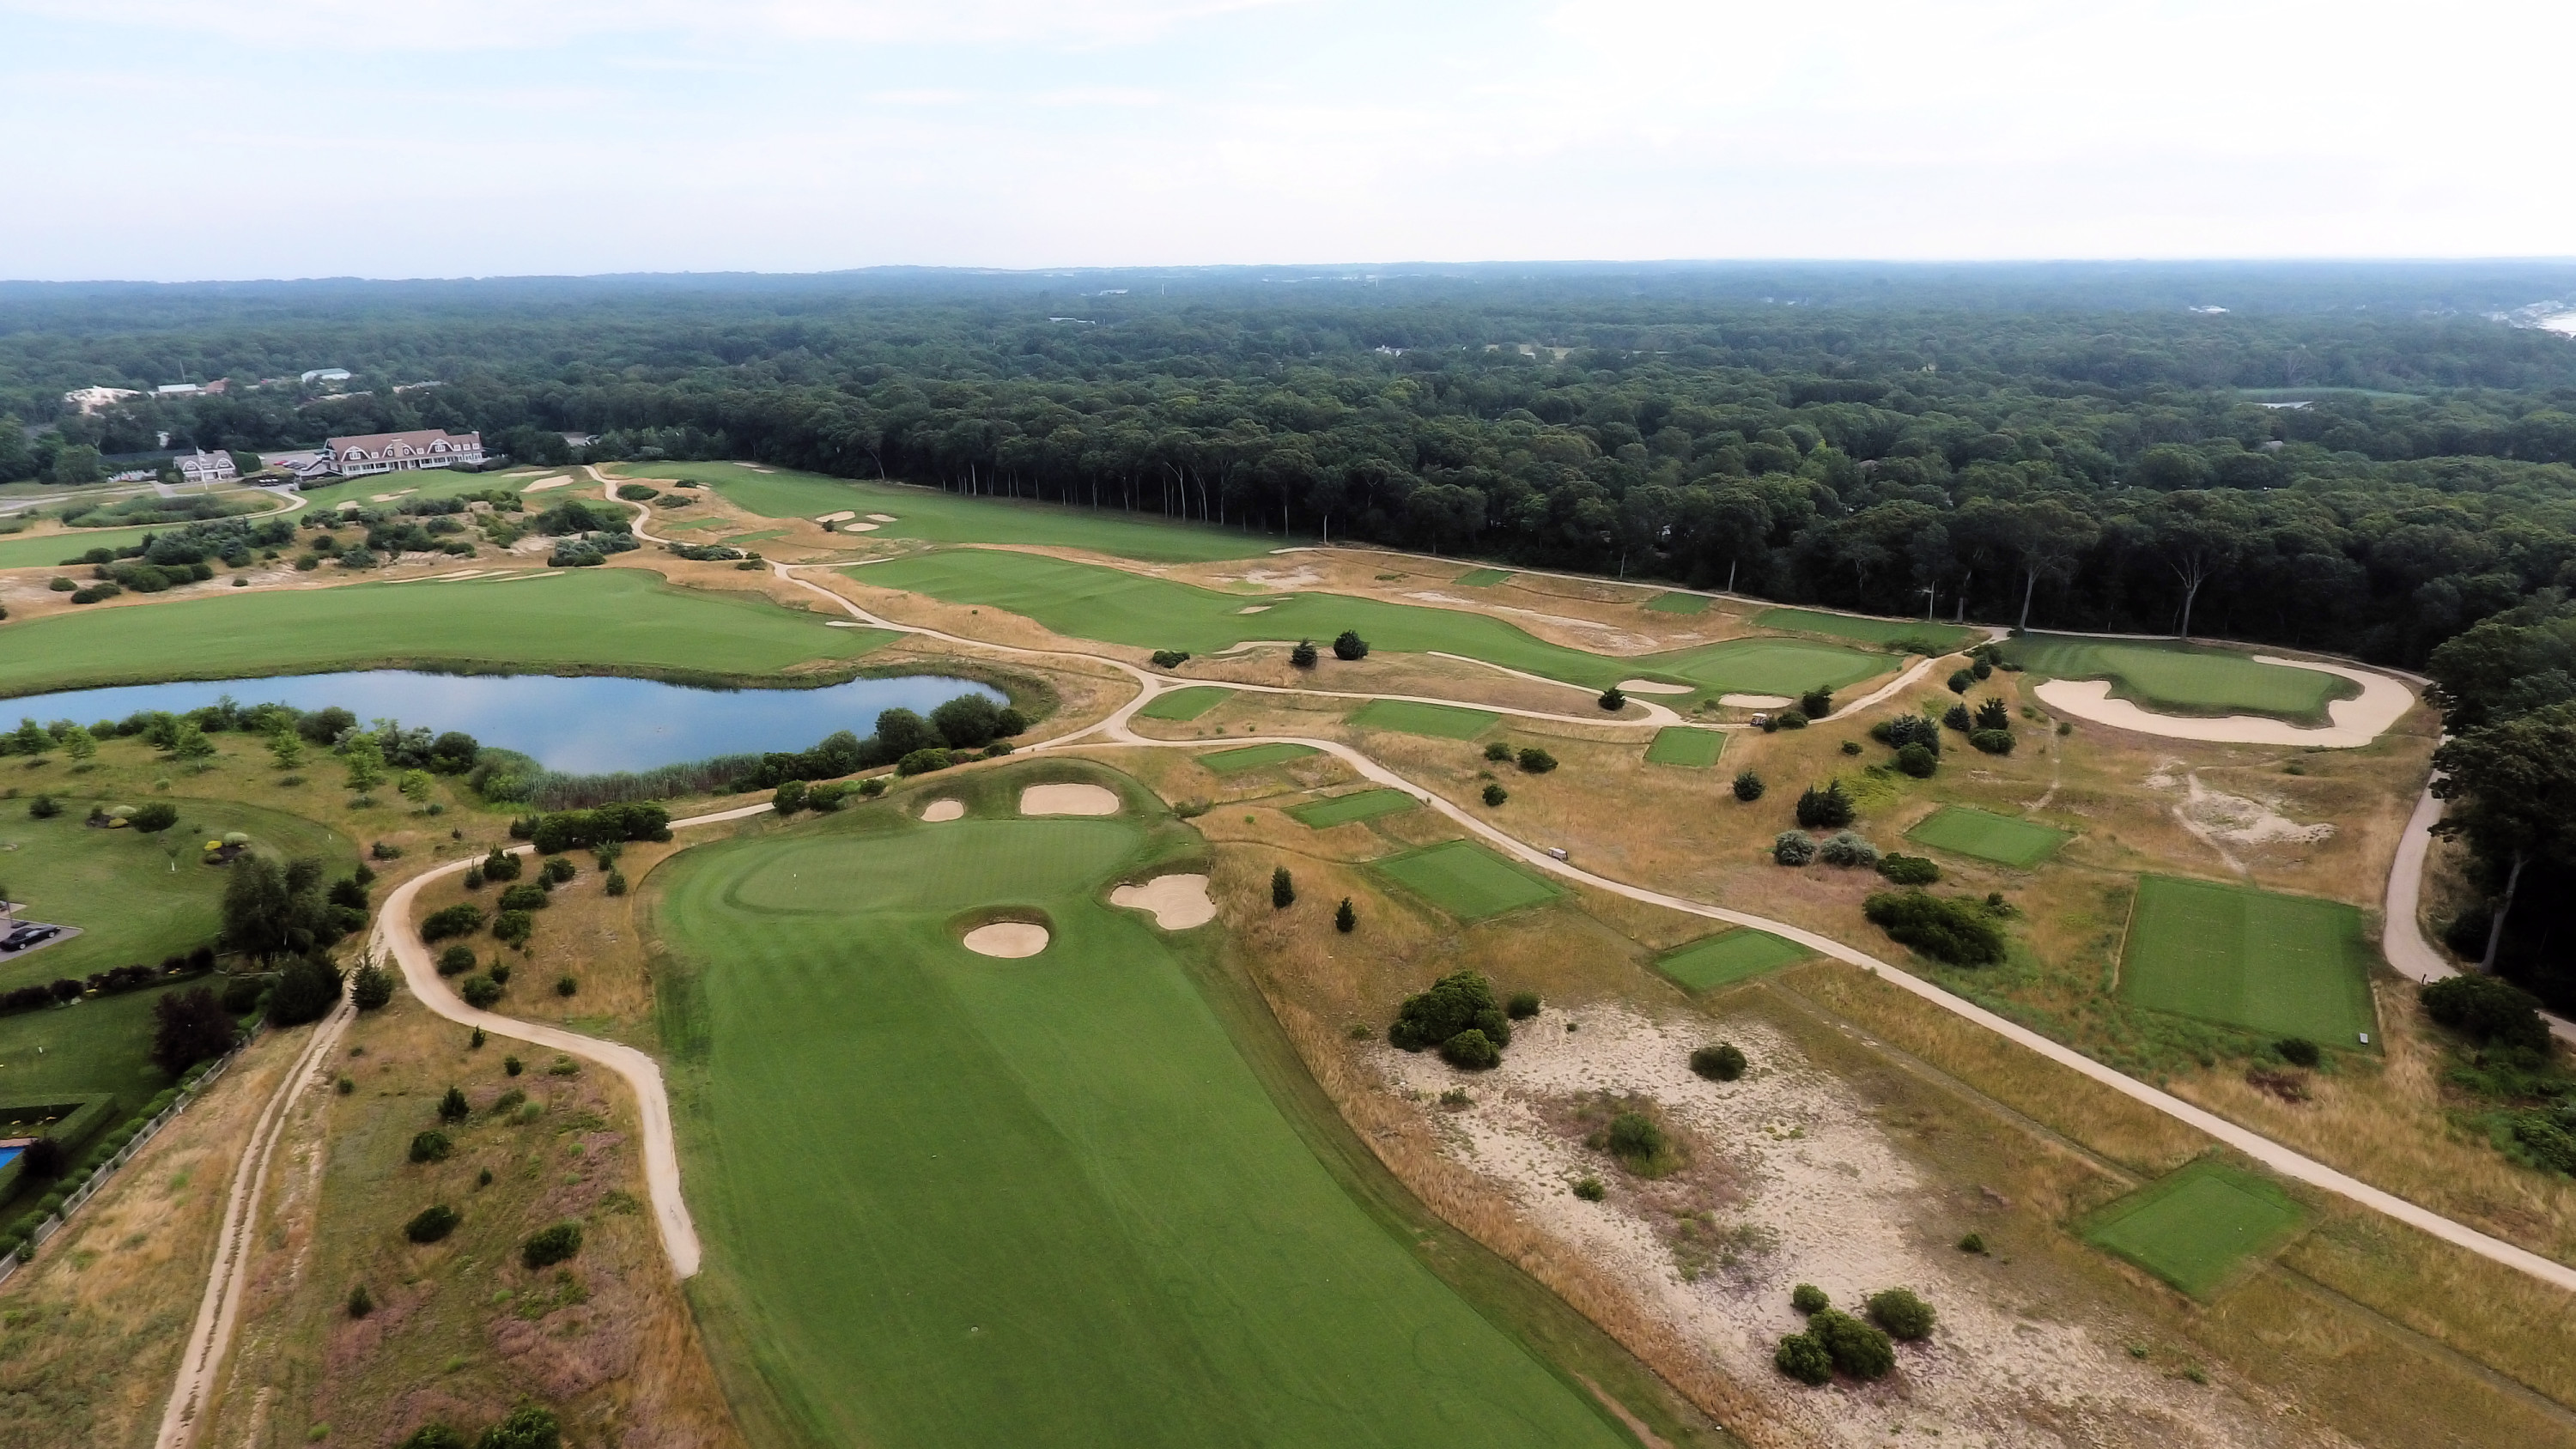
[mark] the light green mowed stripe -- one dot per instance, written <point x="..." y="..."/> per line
<point x="1988" y="836"/>
<point x="1254" y="757"/>
<point x="1440" y="721"/>
<point x="1723" y="960"/>
<point x="2195" y="1226"/>
<point x="1679" y="603"/>
<point x="1185" y="704"/>
<point x="1358" y="805"/>
<point x="2275" y="964"/>
<point x="1682" y="745"/>
<point x="1467" y="880"/>
<point x="1482" y="578"/>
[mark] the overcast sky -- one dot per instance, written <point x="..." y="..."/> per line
<point x="179" y="139"/>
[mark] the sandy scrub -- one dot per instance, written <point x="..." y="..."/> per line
<point x="1299" y="578"/>
<point x="1755" y="701"/>
<point x="2218" y="820"/>
<point x="1068" y="800"/>
<point x="1177" y="902"/>
<point x="1010" y="940"/>
<point x="844" y="516"/>
<point x="1648" y="686"/>
<point x="2357" y="722"/>
<point x="938" y="810"/>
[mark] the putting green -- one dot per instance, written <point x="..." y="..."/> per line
<point x="2193" y="1227"/>
<point x="1185" y="704"/>
<point x="1999" y="838"/>
<point x="1723" y="960"/>
<point x="1881" y="632"/>
<point x="608" y="617"/>
<point x="2275" y="964"/>
<point x="950" y="1199"/>
<point x="1682" y="745"/>
<point x="1679" y="603"/>
<point x="1762" y="666"/>
<point x="933" y="516"/>
<point x="1466" y="880"/>
<point x="1439" y="721"/>
<point x="1358" y="805"/>
<point x="1254" y="757"/>
<point x="1481" y="578"/>
<point x="2179" y="678"/>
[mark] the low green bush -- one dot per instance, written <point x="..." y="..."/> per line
<point x="1498" y="751"/>
<point x="1902" y="1314"/>
<point x="1847" y="849"/>
<point x="1522" y="1006"/>
<point x="1808" y="1298"/>
<point x="431" y="1146"/>
<point x="1946" y="928"/>
<point x="1856" y="1348"/>
<point x="1496" y="795"/>
<point x="1535" y="761"/>
<point x="479" y="991"/>
<point x="1723" y="1062"/>
<point x="1802" y="1358"/>
<point x="1993" y="742"/>
<point x="1472" y="1051"/>
<point x="513" y="928"/>
<point x="461" y="919"/>
<point x="527" y="895"/>
<point x="1748" y="786"/>
<point x="1792" y="847"/>
<point x="558" y="870"/>
<point x="1918" y="761"/>
<point x="453" y="1107"/>
<point x="1908" y="870"/>
<point x="1829" y="808"/>
<point x="1590" y="1189"/>
<point x="550" y="1246"/>
<point x="2298" y="1051"/>
<point x="432" y="1223"/>
<point x="1634" y="1137"/>
<point x="1973" y="1243"/>
<point x="455" y="960"/>
<point x="361" y="1302"/>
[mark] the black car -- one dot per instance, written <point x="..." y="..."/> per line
<point x="21" y="937"/>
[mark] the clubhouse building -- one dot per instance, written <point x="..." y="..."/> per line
<point x="400" y="452"/>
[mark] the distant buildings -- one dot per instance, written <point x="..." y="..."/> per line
<point x="401" y="452"/>
<point x="193" y="389"/>
<point x="91" y="399"/>
<point x="204" y="467"/>
<point x="324" y="374"/>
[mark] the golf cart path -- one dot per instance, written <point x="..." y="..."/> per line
<point x="2402" y="932"/>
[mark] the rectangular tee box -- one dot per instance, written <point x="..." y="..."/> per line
<point x="1335" y="810"/>
<point x="2287" y="965"/>
<point x="1466" y="880"/>
<point x="2020" y="844"/>
<point x="1254" y="757"/>
<point x="1682" y="745"/>
<point x="1440" y="721"/>
<point x="1727" y="958"/>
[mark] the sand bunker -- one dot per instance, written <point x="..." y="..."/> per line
<point x="938" y="810"/>
<point x="544" y="484"/>
<point x="1755" y="701"/>
<point x="2356" y="721"/>
<point x="1254" y="609"/>
<point x="1009" y="940"/>
<point x="843" y="516"/>
<point x="880" y="518"/>
<point x="1649" y="686"/>
<point x="1177" y="902"/>
<point x="1068" y="800"/>
<point x="858" y="528"/>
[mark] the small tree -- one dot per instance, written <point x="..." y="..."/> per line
<point x="1918" y="761"/>
<point x="1613" y="700"/>
<point x="373" y="987"/>
<point x="1345" y="920"/>
<point x="1816" y="703"/>
<point x="431" y="1146"/>
<point x="1902" y="1314"/>
<point x="1535" y="761"/>
<point x="1498" y="751"/>
<point x="1723" y="1062"/>
<point x="453" y="1107"/>
<point x="432" y="1223"/>
<point x="550" y="1246"/>
<point x="31" y="739"/>
<point x="417" y="786"/>
<point x="1283" y="889"/>
<point x="154" y="818"/>
<point x="1960" y="679"/>
<point x="361" y="1302"/>
<point x="790" y="797"/>
<point x="1993" y="714"/>
<point x="365" y="762"/>
<point x="80" y="744"/>
<point x="187" y="1028"/>
<point x="479" y="991"/>
<point x="306" y="991"/>
<point x="1748" y="786"/>
<point x="1303" y="656"/>
<point x="190" y="747"/>
<point x="1350" y="646"/>
<point x="44" y="807"/>
<point x="286" y="748"/>
<point x="1827" y="809"/>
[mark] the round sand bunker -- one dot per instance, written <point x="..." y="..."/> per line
<point x="938" y="810"/>
<point x="1068" y="800"/>
<point x="1009" y="940"/>
<point x="1177" y="902"/>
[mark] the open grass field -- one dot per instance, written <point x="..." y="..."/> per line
<point x="1253" y="757"/>
<point x="1679" y="603"/>
<point x="442" y="483"/>
<point x="1440" y="721"/>
<point x="932" y="516"/>
<point x="1358" y="805"/>
<point x="2194" y="1227"/>
<point x="2286" y="965"/>
<point x="32" y="550"/>
<point x="1682" y="745"/>
<point x="1181" y="705"/>
<point x="1762" y="666"/>
<point x="1466" y="880"/>
<point x="1987" y="836"/>
<point x="1881" y="632"/>
<point x="589" y="618"/>
<point x="1481" y="578"/>
<point x="1729" y="957"/>
<point x="2179" y="678"/>
<point x="1067" y="1212"/>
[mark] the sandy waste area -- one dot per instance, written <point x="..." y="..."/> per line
<point x="1177" y="902"/>
<point x="1068" y="800"/>
<point x="2356" y="722"/>
<point x="938" y="810"/>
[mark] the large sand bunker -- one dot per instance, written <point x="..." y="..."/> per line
<point x="844" y="516"/>
<point x="1068" y="800"/>
<point x="938" y="810"/>
<point x="2356" y="721"/>
<point x="1177" y="902"/>
<point x="1010" y="940"/>
<point x="1649" y="686"/>
<point x="1755" y="701"/>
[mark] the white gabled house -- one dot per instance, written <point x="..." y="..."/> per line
<point x="401" y="452"/>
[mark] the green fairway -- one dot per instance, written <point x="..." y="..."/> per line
<point x="1185" y="704"/>
<point x="1481" y="578"/>
<point x="1679" y="603"/>
<point x="1682" y="745"/>
<point x="446" y="483"/>
<point x="2178" y="678"/>
<point x="1761" y="666"/>
<point x="52" y="548"/>
<point x="1358" y="805"/>
<point x="2193" y="1227"/>
<point x="932" y="516"/>
<point x="589" y="618"/>
<point x="1881" y="632"/>
<point x="1439" y="721"/>
<point x="1722" y="960"/>
<point x="949" y="1199"/>
<point x="1467" y="880"/>
<point x="1254" y="757"/>
<point x="1999" y="838"/>
<point x="2280" y="965"/>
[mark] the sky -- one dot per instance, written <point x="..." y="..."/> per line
<point x="203" y="139"/>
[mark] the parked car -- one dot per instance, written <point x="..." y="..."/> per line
<point x="28" y="934"/>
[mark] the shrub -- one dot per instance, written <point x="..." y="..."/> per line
<point x="1908" y="870"/>
<point x="2298" y="1051"/>
<point x="1283" y="889"/>
<point x="500" y="973"/>
<point x="1918" y="761"/>
<point x="1792" y="847"/>
<point x="501" y="865"/>
<point x="462" y="919"/>
<point x="616" y="883"/>
<point x="1907" y="729"/>
<point x="154" y="818"/>
<point x="2487" y="1009"/>
<point x="550" y="1246"/>
<point x="1994" y="714"/>
<point x="1958" y="718"/>
<point x="434" y="1436"/>
<point x="453" y="1107"/>
<point x="1170" y="658"/>
<point x="1497" y="751"/>
<point x="1748" y="786"/>
<point x="44" y="808"/>
<point x="1789" y="719"/>
<point x="1303" y="655"/>
<point x="1827" y="809"/>
<point x="527" y="1427"/>
<point x="873" y="786"/>
<point x="361" y="1302"/>
<point x="373" y="987"/>
<point x="306" y="991"/>
<point x="1613" y="700"/>
<point x="1960" y="679"/>
<point x="566" y="985"/>
<point x="241" y="993"/>
<point x="1495" y="795"/>
<point x="967" y="722"/>
<point x="385" y="850"/>
<point x="1633" y="1138"/>
<point x="1535" y="761"/>
<point x="1851" y="747"/>
<point x="922" y="762"/>
<point x="480" y="992"/>
<point x="513" y="928"/>
<point x="1471" y="1050"/>
<point x="527" y="895"/>
<point x="1345" y="920"/>
<point x="1993" y="742"/>
<point x="1802" y="1358"/>
<point x="455" y="960"/>
<point x="1590" y="1189"/>
<point x="1808" y="1298"/>
<point x="1522" y="1006"/>
<point x="1456" y="1003"/>
<point x="638" y="492"/>
<point x="512" y="1066"/>
<point x="1973" y="1243"/>
<point x="1945" y="928"/>
<point x="1902" y="1314"/>
<point x="432" y="1223"/>
<point x="1816" y="703"/>
<point x="1723" y="1062"/>
<point x="1857" y="1349"/>
<point x="1350" y="646"/>
<point x="1847" y="849"/>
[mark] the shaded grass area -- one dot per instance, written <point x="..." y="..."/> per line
<point x="1679" y="603"/>
<point x="1727" y="958"/>
<point x="2269" y="963"/>
<point x="1185" y="704"/>
<point x="1040" y="1233"/>
<point x="1867" y="631"/>
<point x="1988" y="836"/>
<point x="1681" y="745"/>
<point x="2180" y="678"/>
<point x="1482" y="578"/>
<point x="1440" y="721"/>
<point x="595" y="618"/>
<point x="1358" y="805"/>
<point x="1253" y="757"/>
<point x="2195" y="1228"/>
<point x="1466" y="880"/>
<point x="936" y="517"/>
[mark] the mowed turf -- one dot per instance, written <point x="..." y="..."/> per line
<point x="2184" y="679"/>
<point x="1358" y="805"/>
<point x="2276" y="964"/>
<point x="1466" y="880"/>
<point x="932" y="516"/>
<point x="1440" y="721"/>
<point x="1482" y="578"/>
<point x="1987" y="836"/>
<point x="1679" y="603"/>
<point x="954" y="1200"/>
<point x="2193" y="1227"/>
<point x="1185" y="704"/>
<point x="1682" y="745"/>
<point x="1867" y="631"/>
<point x="1723" y="960"/>
<point x="606" y="616"/>
<point x="1254" y="757"/>
<point x="1763" y="666"/>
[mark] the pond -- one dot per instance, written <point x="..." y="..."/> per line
<point x="578" y="725"/>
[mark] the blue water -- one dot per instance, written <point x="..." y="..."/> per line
<point x="576" y="725"/>
<point x="9" y="1155"/>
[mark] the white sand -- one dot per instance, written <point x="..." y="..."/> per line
<point x="938" y="810"/>
<point x="390" y="497"/>
<point x="843" y="516"/>
<point x="1254" y="609"/>
<point x="1178" y="902"/>
<point x="880" y="518"/>
<point x="2356" y="721"/>
<point x="1010" y="940"/>
<point x="1068" y="800"/>
<point x="1649" y="686"/>
<point x="548" y="483"/>
<point x="858" y="528"/>
<point x="1755" y="701"/>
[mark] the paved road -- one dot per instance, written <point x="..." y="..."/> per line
<point x="2402" y="935"/>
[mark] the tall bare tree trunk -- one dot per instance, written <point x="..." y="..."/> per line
<point x="2495" y="928"/>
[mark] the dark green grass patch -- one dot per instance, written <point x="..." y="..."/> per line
<point x="1440" y="721"/>
<point x="2193" y="1228"/>
<point x="1762" y="666"/>
<point x="1254" y="757"/>
<point x="1679" y="603"/>
<point x="1358" y="805"/>
<point x="1881" y="632"/>
<point x="2275" y="964"/>
<point x="1682" y="745"/>
<point x="1723" y="960"/>
<point x="1185" y="704"/>
<point x="1482" y="578"/>
<point x="1987" y="836"/>
<point x="2177" y="678"/>
<point x="1466" y="880"/>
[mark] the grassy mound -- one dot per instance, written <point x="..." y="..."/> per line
<point x="1253" y="757"/>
